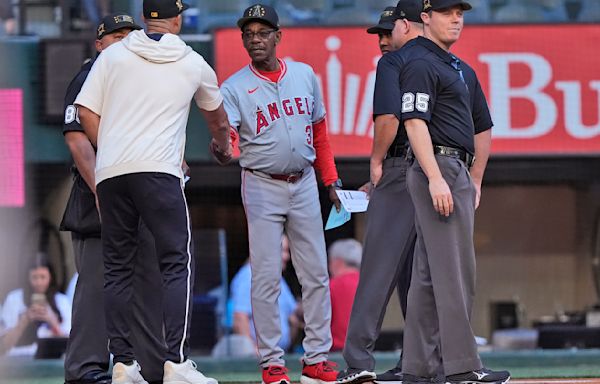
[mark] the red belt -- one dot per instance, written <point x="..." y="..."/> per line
<point x="289" y="177"/>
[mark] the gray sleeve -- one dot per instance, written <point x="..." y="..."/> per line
<point x="231" y="106"/>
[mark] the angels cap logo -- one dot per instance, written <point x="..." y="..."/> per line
<point x="256" y="11"/>
<point x="426" y="5"/>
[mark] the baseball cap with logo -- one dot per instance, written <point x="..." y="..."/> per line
<point x="436" y="5"/>
<point x="386" y="22"/>
<point x="261" y="13"/>
<point x="163" y="9"/>
<point x="409" y="10"/>
<point x="114" y="22"/>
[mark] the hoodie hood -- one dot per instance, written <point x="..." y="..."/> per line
<point x="168" y="49"/>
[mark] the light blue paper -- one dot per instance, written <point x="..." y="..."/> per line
<point x="336" y="218"/>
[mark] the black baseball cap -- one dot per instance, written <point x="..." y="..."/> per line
<point x="163" y="9"/>
<point x="261" y="13"/>
<point x="436" y="5"/>
<point x="386" y="22"/>
<point x="114" y="22"/>
<point x="409" y="10"/>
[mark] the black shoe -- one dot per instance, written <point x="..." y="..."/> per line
<point x="393" y="376"/>
<point x="355" y="376"/>
<point x="93" y="377"/>
<point x="481" y="376"/>
<point x="411" y="379"/>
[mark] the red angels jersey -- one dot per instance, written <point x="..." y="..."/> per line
<point x="275" y="120"/>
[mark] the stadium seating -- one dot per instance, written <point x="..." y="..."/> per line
<point x="590" y="11"/>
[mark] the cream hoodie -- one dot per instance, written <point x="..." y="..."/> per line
<point x="142" y="89"/>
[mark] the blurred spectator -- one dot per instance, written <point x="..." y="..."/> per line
<point x="8" y="23"/>
<point x="70" y="291"/>
<point x="36" y="311"/>
<point x="242" y="306"/>
<point x="520" y="11"/>
<point x="96" y="10"/>
<point x="344" y="264"/>
<point x="590" y="11"/>
<point x="480" y="13"/>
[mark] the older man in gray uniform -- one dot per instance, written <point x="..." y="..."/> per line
<point x="278" y="110"/>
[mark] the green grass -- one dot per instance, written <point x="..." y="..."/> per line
<point x="521" y="364"/>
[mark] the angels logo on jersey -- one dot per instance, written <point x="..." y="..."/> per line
<point x="274" y="111"/>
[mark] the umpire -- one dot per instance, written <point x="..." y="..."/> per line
<point x="390" y="234"/>
<point x="87" y="356"/>
<point x="438" y="117"/>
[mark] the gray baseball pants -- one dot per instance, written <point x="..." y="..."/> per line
<point x="87" y="349"/>
<point x="273" y="206"/>
<point x="386" y="262"/>
<point x="438" y="338"/>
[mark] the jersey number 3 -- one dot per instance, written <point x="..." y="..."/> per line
<point x="410" y="102"/>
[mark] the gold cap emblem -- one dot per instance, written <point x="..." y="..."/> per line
<point x="123" y="19"/>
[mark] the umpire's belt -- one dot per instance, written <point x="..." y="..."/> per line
<point x="460" y="154"/>
<point x="399" y="151"/>
<point x="289" y="177"/>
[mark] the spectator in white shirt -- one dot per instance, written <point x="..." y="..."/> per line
<point x="36" y="311"/>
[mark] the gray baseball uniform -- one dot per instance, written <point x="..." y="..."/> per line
<point x="279" y="192"/>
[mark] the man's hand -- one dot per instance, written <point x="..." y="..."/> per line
<point x="366" y="188"/>
<point x="477" y="185"/>
<point x="376" y="173"/>
<point x="441" y="196"/>
<point x="334" y="197"/>
<point x="222" y="156"/>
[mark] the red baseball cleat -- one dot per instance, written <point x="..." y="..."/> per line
<point x="275" y="374"/>
<point x="320" y="373"/>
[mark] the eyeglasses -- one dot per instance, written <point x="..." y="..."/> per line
<point x="263" y="35"/>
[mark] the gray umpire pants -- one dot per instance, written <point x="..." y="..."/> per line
<point x="273" y="206"/>
<point x="87" y="349"/>
<point x="386" y="262"/>
<point x="438" y="338"/>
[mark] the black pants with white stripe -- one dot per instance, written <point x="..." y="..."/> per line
<point x="159" y="200"/>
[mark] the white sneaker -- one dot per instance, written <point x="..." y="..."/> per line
<point x="185" y="373"/>
<point x="127" y="374"/>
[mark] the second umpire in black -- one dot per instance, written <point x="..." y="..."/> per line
<point x="390" y="232"/>
<point x="87" y="357"/>
<point x="438" y="117"/>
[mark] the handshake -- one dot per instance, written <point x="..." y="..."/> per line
<point x="224" y="155"/>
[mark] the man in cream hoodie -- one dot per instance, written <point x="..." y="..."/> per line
<point x="134" y="106"/>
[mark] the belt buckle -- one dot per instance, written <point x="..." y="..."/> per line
<point x="470" y="160"/>
<point x="293" y="177"/>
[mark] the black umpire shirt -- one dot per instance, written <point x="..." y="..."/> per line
<point x="71" y="118"/>
<point x="437" y="88"/>
<point x="387" y="95"/>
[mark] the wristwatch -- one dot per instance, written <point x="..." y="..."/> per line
<point x="336" y="184"/>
